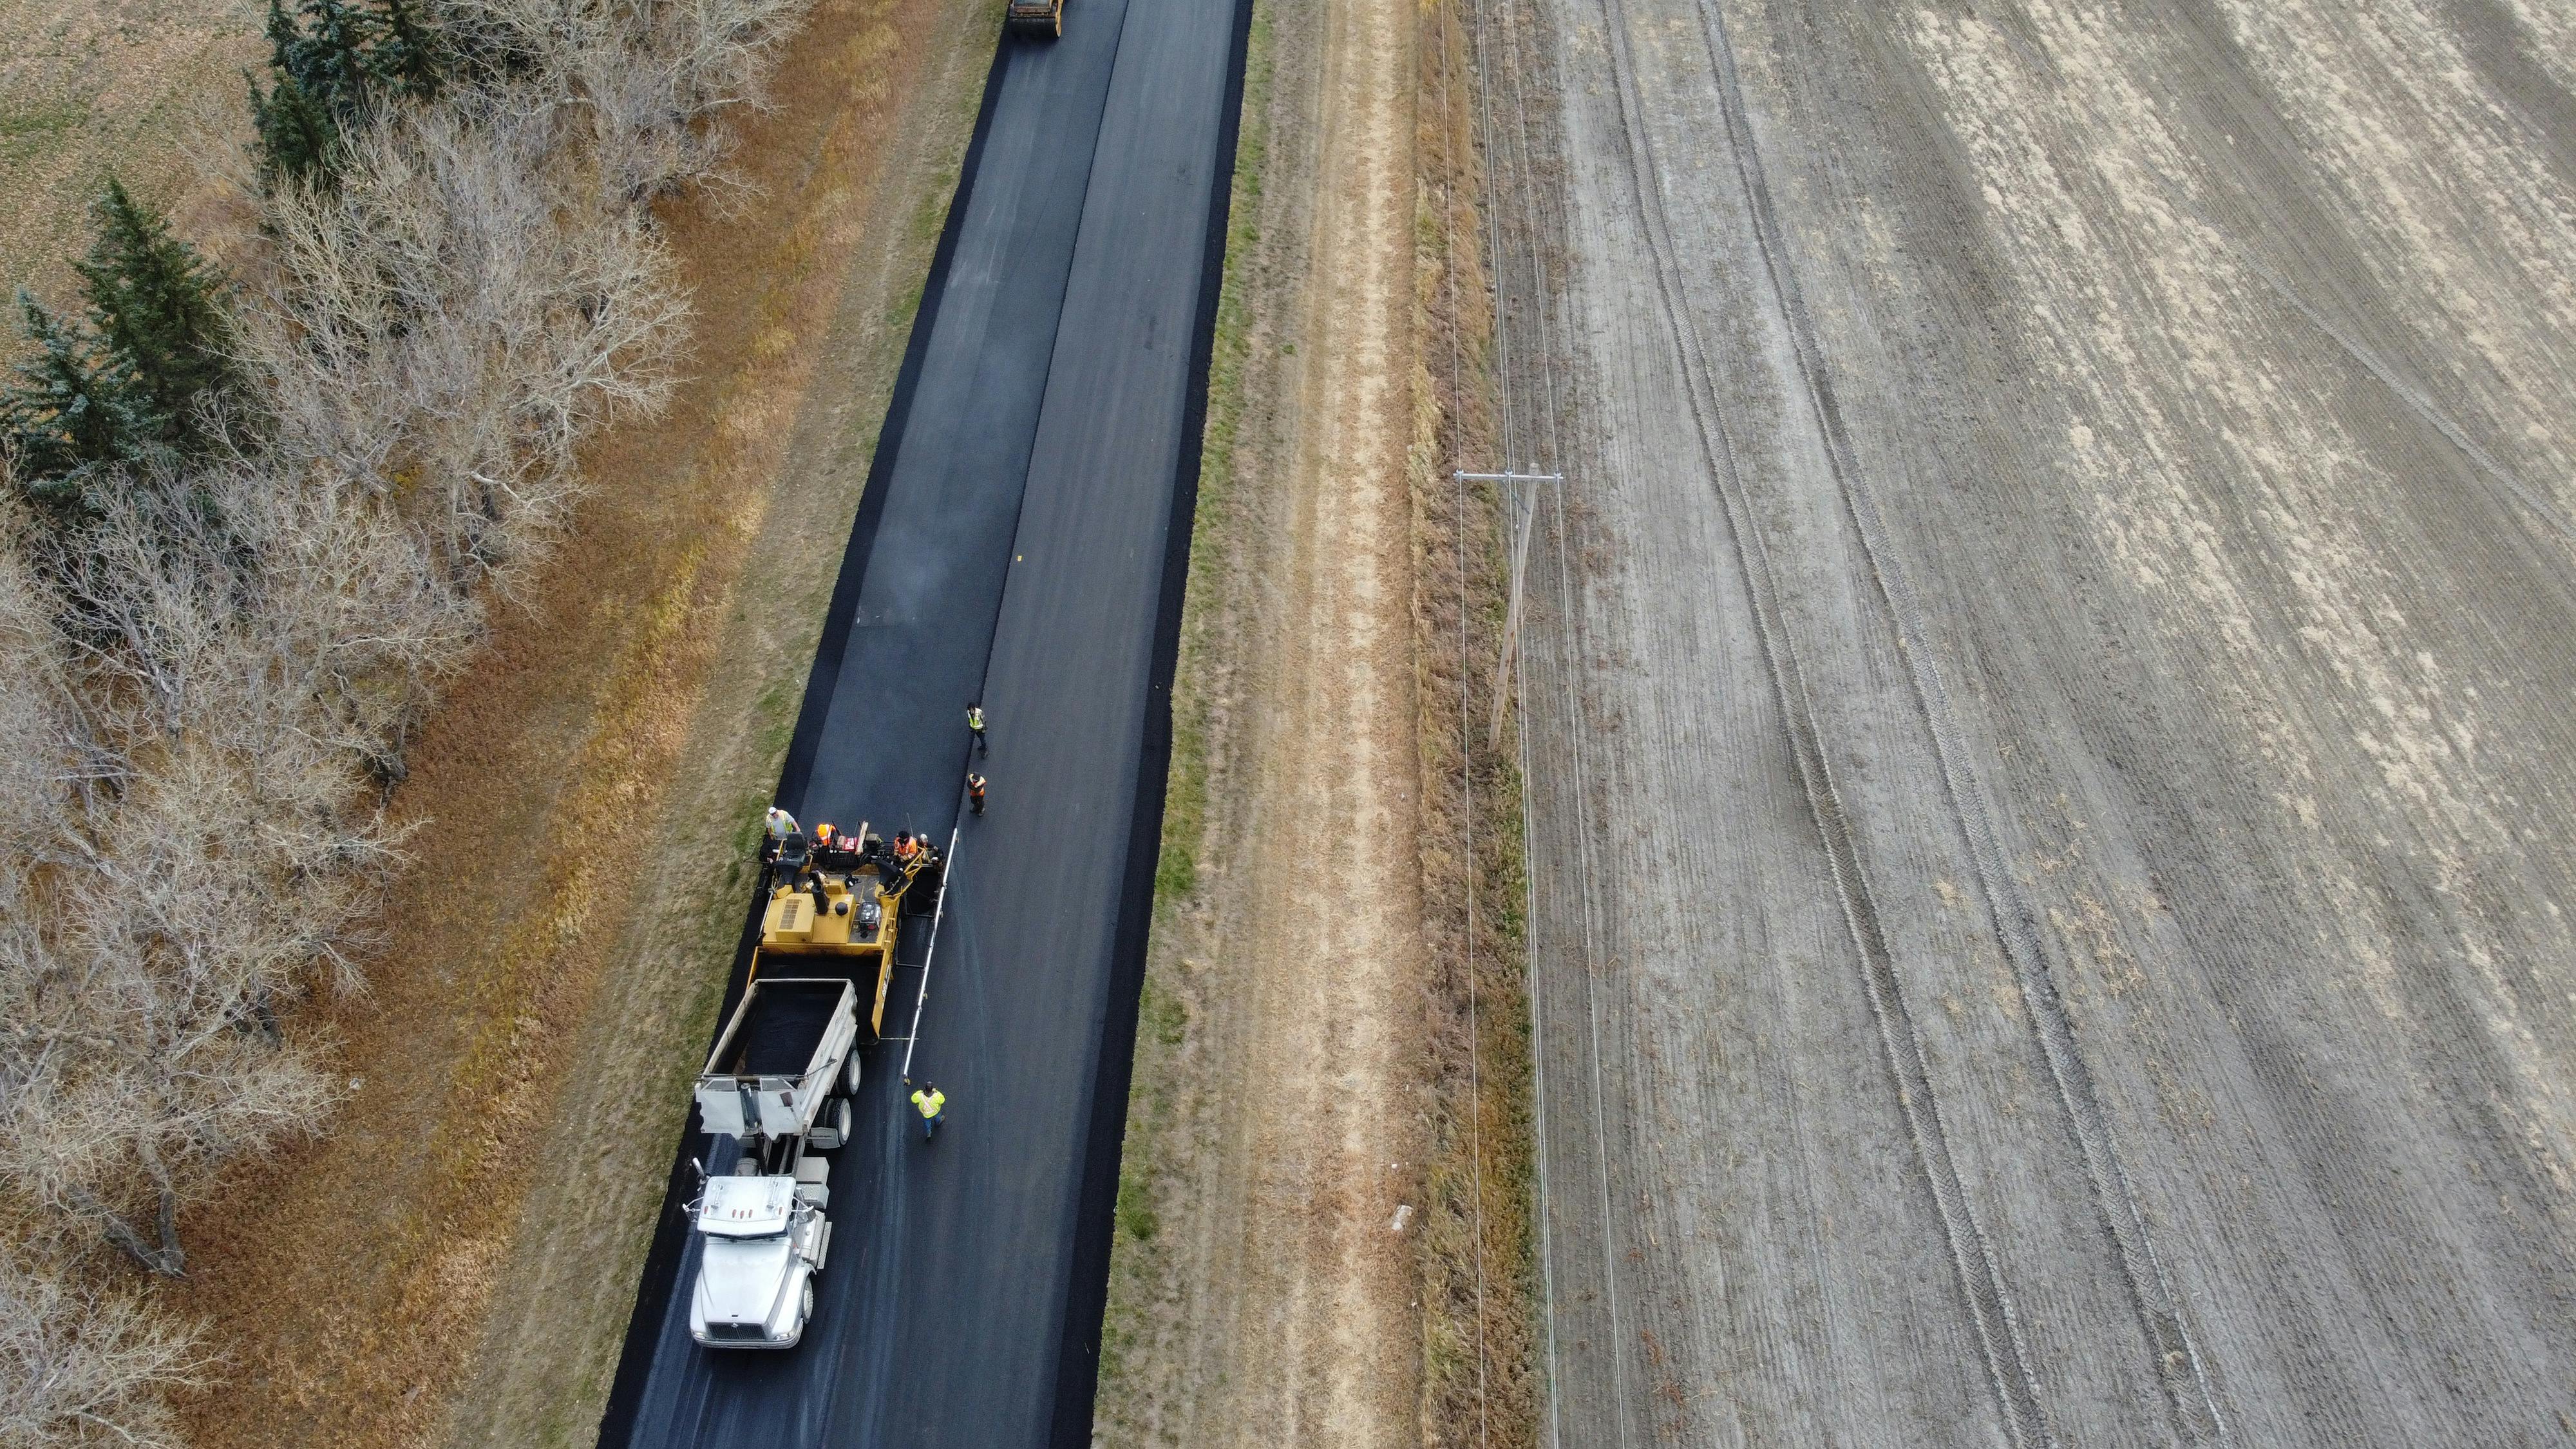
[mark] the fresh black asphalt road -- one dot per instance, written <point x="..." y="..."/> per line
<point x="1020" y="541"/>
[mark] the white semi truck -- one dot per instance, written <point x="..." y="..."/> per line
<point x="774" y="1093"/>
<point x="777" y="1087"/>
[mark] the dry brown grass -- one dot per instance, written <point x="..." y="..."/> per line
<point x="1208" y="1341"/>
<point x="1481" y="1296"/>
<point x="142" y="87"/>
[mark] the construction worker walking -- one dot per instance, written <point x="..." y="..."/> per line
<point x="975" y="792"/>
<point x="975" y="727"/>
<point x="931" y="1103"/>
<point x="780" y="825"/>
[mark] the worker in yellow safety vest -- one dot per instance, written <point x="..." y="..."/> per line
<point x="779" y="833"/>
<point x="930" y="1102"/>
<point x="975" y="727"/>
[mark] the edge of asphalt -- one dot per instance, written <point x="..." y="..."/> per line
<point x="660" y="1274"/>
<point x="1095" y="1213"/>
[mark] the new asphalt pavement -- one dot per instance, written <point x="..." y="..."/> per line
<point x="1021" y="541"/>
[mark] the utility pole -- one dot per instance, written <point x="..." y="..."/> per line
<point x="1522" y="528"/>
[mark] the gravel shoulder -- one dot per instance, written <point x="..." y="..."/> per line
<point x="2050" y="803"/>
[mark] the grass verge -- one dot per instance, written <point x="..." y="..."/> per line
<point x="1482" y="1381"/>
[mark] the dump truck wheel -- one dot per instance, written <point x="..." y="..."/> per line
<point x="850" y="1075"/>
<point x="841" y="1122"/>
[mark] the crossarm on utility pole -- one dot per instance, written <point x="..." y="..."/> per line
<point x="1520" y="569"/>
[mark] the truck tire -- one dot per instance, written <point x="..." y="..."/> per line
<point x="840" y="1128"/>
<point x="808" y="1315"/>
<point x="850" y="1075"/>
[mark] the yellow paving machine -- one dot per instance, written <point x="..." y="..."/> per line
<point x="837" y="913"/>
<point x="1036" y="19"/>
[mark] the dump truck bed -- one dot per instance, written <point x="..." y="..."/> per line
<point x="780" y="1030"/>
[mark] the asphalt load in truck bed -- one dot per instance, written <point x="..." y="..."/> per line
<point x="789" y="1019"/>
<point x="2050" y="762"/>
<point x="1022" y="541"/>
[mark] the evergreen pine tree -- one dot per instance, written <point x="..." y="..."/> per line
<point x="69" y="412"/>
<point x="297" y="137"/>
<point x="408" y="55"/>
<point x="323" y="50"/>
<point x="153" y="301"/>
<point x="283" y="39"/>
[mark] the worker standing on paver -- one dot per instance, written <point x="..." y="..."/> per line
<point x="975" y="792"/>
<point x="975" y="727"/>
<point x="780" y="840"/>
<point x="930" y="1102"/>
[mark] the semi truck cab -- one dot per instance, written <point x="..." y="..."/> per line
<point x="761" y="1240"/>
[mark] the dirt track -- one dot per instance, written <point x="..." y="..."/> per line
<point x="2048" y="716"/>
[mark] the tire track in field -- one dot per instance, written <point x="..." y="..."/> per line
<point x="2179" y="1365"/>
<point x="2005" y="1353"/>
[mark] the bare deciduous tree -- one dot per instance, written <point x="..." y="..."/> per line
<point x="83" y="1366"/>
<point x="205" y="693"/>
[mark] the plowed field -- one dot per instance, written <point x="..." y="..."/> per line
<point x="2048" y="715"/>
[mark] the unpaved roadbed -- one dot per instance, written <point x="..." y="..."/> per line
<point x="2047" y="713"/>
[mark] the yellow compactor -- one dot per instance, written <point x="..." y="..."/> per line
<point x="826" y="920"/>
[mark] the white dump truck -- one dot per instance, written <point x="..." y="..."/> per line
<point x="778" y="1086"/>
<point x="775" y="1091"/>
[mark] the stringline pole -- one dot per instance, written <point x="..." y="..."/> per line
<point x="947" y="864"/>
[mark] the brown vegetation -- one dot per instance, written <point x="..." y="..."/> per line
<point x="143" y="88"/>
<point x="210" y="684"/>
<point x="1481" y="1295"/>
